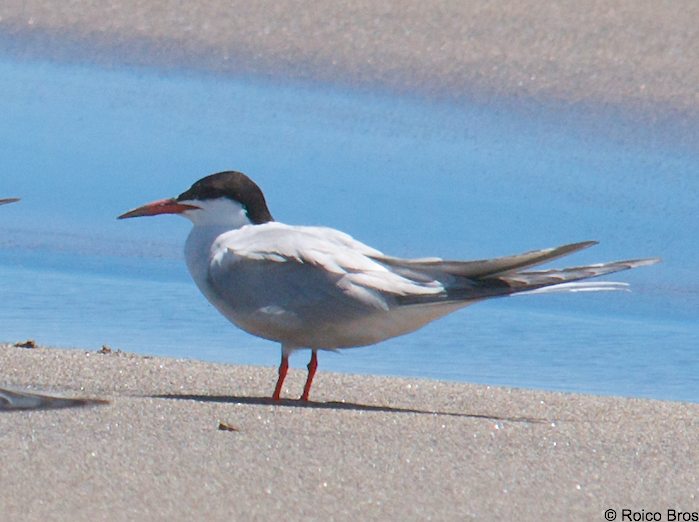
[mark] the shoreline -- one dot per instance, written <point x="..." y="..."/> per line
<point x="182" y="439"/>
<point x="298" y="366"/>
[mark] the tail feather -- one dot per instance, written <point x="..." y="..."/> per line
<point x="534" y="282"/>
<point x="596" y="286"/>
<point x="542" y="278"/>
<point x="484" y="267"/>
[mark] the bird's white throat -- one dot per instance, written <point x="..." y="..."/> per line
<point x="222" y="213"/>
<point x="211" y="219"/>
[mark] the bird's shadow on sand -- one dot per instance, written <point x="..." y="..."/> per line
<point x="333" y="405"/>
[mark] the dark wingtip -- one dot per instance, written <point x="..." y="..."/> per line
<point x="649" y="261"/>
<point x="583" y="244"/>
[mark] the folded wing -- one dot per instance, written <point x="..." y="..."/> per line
<point x="308" y="265"/>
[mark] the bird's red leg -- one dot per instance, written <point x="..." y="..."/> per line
<point x="283" y="368"/>
<point x="312" y="366"/>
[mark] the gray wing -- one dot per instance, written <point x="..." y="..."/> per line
<point x="483" y="267"/>
<point x="308" y="267"/>
<point x="331" y="256"/>
<point x="305" y="275"/>
<point x="290" y="286"/>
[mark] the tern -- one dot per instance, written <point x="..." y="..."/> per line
<point x="317" y="288"/>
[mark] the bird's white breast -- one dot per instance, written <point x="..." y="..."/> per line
<point x="200" y="249"/>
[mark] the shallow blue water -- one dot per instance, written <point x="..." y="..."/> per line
<point x="82" y="145"/>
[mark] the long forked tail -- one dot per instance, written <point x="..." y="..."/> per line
<point x="566" y="279"/>
<point x="512" y="281"/>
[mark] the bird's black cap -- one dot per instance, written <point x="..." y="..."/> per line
<point x="232" y="185"/>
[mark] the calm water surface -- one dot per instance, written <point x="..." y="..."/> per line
<point x="82" y="145"/>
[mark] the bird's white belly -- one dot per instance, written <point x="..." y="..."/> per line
<point x="287" y="328"/>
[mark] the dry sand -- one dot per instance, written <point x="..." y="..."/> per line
<point x="393" y="449"/>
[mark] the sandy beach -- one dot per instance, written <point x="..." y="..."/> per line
<point x="366" y="448"/>
<point x="582" y="60"/>
<point x="636" y="54"/>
